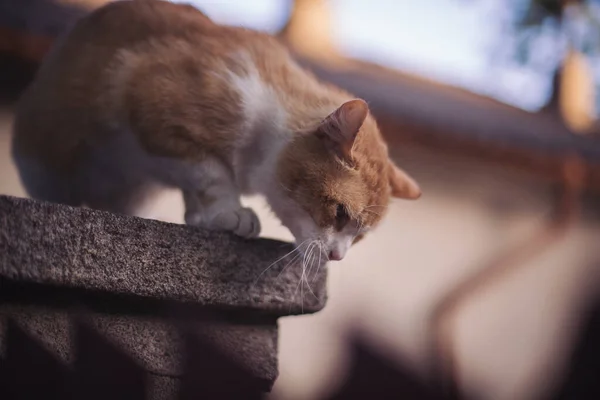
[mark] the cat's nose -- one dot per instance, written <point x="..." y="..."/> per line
<point x="335" y="255"/>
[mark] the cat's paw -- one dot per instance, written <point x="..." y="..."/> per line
<point x="193" y="219"/>
<point x="243" y="222"/>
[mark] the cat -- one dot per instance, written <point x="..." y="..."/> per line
<point x="143" y="95"/>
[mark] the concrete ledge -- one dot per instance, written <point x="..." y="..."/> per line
<point x="153" y="343"/>
<point x="57" y="245"/>
<point x="137" y="282"/>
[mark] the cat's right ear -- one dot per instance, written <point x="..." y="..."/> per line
<point x="339" y="130"/>
<point x="403" y="185"/>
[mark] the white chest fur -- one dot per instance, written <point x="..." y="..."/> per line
<point x="264" y="132"/>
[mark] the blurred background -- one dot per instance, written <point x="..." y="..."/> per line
<point x="492" y="105"/>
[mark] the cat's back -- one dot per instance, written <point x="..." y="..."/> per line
<point x="90" y="46"/>
<point x="66" y="101"/>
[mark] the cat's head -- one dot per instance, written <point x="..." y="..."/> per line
<point x="336" y="180"/>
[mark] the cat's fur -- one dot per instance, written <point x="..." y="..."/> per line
<point x="141" y="95"/>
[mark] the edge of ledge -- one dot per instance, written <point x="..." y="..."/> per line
<point x="79" y="248"/>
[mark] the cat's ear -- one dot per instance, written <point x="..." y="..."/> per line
<point x="403" y="186"/>
<point x="339" y="130"/>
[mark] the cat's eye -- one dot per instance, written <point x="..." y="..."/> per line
<point x="341" y="217"/>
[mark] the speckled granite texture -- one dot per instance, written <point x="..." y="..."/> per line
<point x="132" y="278"/>
<point x="87" y="249"/>
<point x="152" y="343"/>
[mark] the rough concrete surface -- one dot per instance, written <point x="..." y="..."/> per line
<point x="80" y="248"/>
<point x="152" y="343"/>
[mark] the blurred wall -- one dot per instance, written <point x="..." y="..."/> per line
<point x="509" y="338"/>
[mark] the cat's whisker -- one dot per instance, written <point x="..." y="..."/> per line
<point x="372" y="212"/>
<point x="310" y="260"/>
<point x="304" y="256"/>
<point x="303" y="274"/>
<point x="361" y="224"/>
<point x="302" y="268"/>
<point x="319" y="245"/>
<point x="278" y="260"/>
<point x="375" y="205"/>
<point x="301" y="279"/>
<point x="320" y="261"/>
<point x="290" y="262"/>
<point x="368" y="208"/>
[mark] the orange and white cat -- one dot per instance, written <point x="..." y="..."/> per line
<point x="141" y="95"/>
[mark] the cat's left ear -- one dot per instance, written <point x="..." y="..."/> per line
<point x="339" y="130"/>
<point x="403" y="186"/>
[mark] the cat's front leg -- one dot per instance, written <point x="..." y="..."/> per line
<point x="219" y="208"/>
